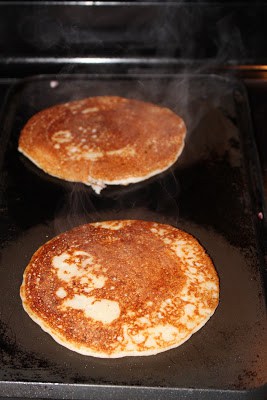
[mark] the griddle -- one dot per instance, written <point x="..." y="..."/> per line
<point x="213" y="192"/>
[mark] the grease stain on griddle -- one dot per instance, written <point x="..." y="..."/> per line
<point x="11" y="354"/>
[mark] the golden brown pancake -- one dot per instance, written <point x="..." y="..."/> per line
<point x="121" y="288"/>
<point x="103" y="140"/>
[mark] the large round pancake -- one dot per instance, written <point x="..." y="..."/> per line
<point x="104" y="140"/>
<point x="121" y="288"/>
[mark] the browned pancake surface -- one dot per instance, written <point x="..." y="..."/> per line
<point x="103" y="140"/>
<point x="121" y="288"/>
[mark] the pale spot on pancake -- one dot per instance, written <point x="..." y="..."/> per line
<point x="193" y="270"/>
<point x="130" y="346"/>
<point x="74" y="105"/>
<point x="88" y="289"/>
<point x="65" y="271"/>
<point x="61" y="293"/>
<point x="189" y="309"/>
<point x="167" y="241"/>
<point x="89" y="110"/>
<point x="165" y="332"/>
<point x="112" y="225"/>
<point x="200" y="278"/>
<point x="125" y="151"/>
<point x="92" y="155"/>
<point x="150" y="342"/>
<point x="79" y="264"/>
<point x="139" y="338"/>
<point x="102" y="310"/>
<point x="83" y="152"/>
<point x="209" y="285"/>
<point x="184" y="320"/>
<point x="190" y="325"/>
<point x="131" y="313"/>
<point x="89" y="257"/>
<point x="73" y="149"/>
<point x="184" y="252"/>
<point x="57" y="146"/>
<point x="185" y="290"/>
<point x="158" y="231"/>
<point x="97" y="282"/>
<point x="62" y="136"/>
<point x="166" y="303"/>
<point x="144" y="320"/>
<point x="203" y="310"/>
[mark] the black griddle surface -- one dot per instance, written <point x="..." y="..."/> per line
<point x="213" y="192"/>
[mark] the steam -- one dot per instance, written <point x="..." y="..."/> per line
<point x="194" y="37"/>
<point x="187" y="32"/>
<point x="229" y="41"/>
<point x="76" y="208"/>
<point x="152" y="200"/>
<point x="200" y="100"/>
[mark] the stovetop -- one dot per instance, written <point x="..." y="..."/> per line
<point x="150" y="38"/>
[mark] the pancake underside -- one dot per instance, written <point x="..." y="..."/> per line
<point x="104" y="140"/>
<point x="121" y="288"/>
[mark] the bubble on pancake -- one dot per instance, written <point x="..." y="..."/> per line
<point x="102" y="310"/>
<point x="61" y="136"/>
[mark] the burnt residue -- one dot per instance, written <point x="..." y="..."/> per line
<point x="247" y="378"/>
<point x="11" y="354"/>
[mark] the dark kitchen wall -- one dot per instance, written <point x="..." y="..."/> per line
<point x="226" y="32"/>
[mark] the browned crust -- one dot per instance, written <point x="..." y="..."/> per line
<point x="141" y="271"/>
<point x="151" y="137"/>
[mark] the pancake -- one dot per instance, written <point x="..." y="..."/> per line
<point x="121" y="288"/>
<point x="103" y="140"/>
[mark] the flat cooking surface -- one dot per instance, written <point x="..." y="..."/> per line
<point x="211" y="192"/>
